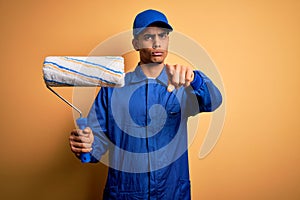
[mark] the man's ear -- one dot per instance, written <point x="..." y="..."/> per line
<point x="135" y="44"/>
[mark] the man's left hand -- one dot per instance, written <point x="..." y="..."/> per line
<point x="178" y="76"/>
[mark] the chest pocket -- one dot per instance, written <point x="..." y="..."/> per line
<point x="173" y="113"/>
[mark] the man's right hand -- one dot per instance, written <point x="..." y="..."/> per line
<point x="81" y="141"/>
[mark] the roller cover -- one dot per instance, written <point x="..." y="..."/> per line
<point x="103" y="71"/>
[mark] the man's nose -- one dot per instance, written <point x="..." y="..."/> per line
<point x="156" y="42"/>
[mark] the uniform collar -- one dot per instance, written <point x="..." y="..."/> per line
<point x="139" y="76"/>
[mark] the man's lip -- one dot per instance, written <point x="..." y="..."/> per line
<point x="157" y="53"/>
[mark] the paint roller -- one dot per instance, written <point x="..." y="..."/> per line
<point x="80" y="71"/>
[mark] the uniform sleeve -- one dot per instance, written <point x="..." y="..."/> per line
<point x="203" y="95"/>
<point x="97" y="121"/>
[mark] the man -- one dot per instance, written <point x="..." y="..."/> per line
<point x="143" y="125"/>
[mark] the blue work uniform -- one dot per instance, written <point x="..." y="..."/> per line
<point x="141" y="130"/>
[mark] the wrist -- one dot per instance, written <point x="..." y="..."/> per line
<point x="197" y="80"/>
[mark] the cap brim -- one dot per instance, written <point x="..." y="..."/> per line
<point x="160" y="24"/>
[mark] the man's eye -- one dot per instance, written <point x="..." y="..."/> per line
<point x="163" y="35"/>
<point x="148" y="37"/>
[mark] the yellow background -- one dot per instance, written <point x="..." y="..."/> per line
<point x="255" y="45"/>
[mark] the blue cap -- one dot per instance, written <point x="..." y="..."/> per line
<point x="150" y="17"/>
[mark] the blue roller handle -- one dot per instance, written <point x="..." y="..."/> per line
<point x="82" y="123"/>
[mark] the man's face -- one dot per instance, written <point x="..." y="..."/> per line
<point x="152" y="44"/>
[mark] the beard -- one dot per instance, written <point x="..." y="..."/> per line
<point x="148" y="56"/>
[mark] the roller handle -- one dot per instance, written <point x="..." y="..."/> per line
<point x="82" y="123"/>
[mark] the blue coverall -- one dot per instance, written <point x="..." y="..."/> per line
<point x="142" y="128"/>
